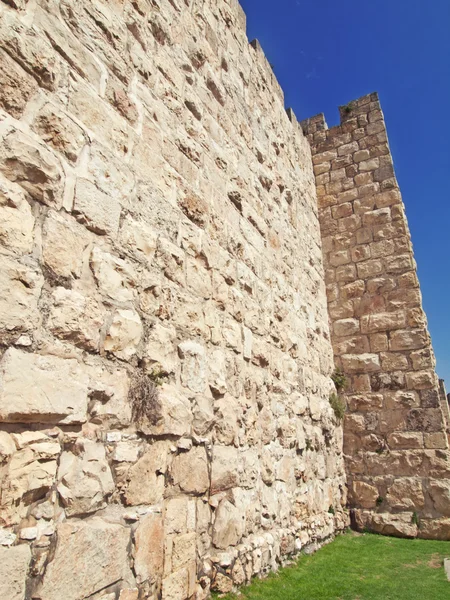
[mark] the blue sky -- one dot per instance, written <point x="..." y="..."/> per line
<point x="326" y="53"/>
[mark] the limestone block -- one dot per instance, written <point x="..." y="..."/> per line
<point x="42" y="389"/>
<point x="160" y="347"/>
<point x="126" y="451"/>
<point x="440" y="494"/>
<point x="27" y="162"/>
<point x="190" y="471"/>
<point x="203" y="415"/>
<point x="21" y="282"/>
<point x="69" y="47"/>
<point x="184" y="550"/>
<point x="149" y="548"/>
<point x="346" y="327"/>
<point x="109" y="403"/>
<point x="229" y="525"/>
<point x="115" y="277"/>
<point x="98" y="211"/>
<point x="249" y="469"/>
<point x="146" y="477"/>
<point x="76" y="318"/>
<point x="138" y="239"/>
<point x="217" y="372"/>
<point x="14" y="564"/>
<point x="16" y="218"/>
<point x="175" y="586"/>
<point x="64" y="242"/>
<point x="106" y="125"/>
<point x="224" y="469"/>
<point x="398" y="525"/>
<point x="33" y="53"/>
<point x="408" y="339"/>
<point x="362" y="363"/>
<point x="421" y="380"/>
<point x="124" y="334"/>
<point x="227" y="412"/>
<point x="7" y="446"/>
<point x="28" y="477"/>
<point x="86" y="477"/>
<point x="406" y="493"/>
<point x="193" y="366"/>
<point x="16" y="86"/>
<point x="435" y="529"/>
<point x="59" y="131"/>
<point x="170" y="415"/>
<point x="92" y="547"/>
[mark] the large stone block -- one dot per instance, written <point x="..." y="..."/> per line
<point x="21" y="283"/>
<point x="32" y="51"/>
<point x="16" y="86"/>
<point x="42" y="389"/>
<point x="14" y="564"/>
<point x="28" y="162"/>
<point x="97" y="549"/>
<point x="190" y="471"/>
<point x="146" y="476"/>
<point x="16" y="218"/>
<point x="149" y="548"/>
<point x="84" y="478"/>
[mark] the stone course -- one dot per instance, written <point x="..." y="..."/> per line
<point x="165" y="354"/>
<point x="396" y="434"/>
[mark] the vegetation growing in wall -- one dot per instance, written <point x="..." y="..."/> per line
<point x="338" y="405"/>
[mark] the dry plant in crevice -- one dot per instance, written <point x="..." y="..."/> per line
<point x="145" y="401"/>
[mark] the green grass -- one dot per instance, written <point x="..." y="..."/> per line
<point x="360" y="567"/>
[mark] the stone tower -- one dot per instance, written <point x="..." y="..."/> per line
<point x="396" y="429"/>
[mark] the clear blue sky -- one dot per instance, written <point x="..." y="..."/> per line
<point x="326" y="53"/>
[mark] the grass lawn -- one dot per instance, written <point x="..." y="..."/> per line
<point x="360" y="567"/>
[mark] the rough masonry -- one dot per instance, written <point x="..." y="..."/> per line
<point x="165" y="344"/>
<point x="396" y="439"/>
<point x="165" y="350"/>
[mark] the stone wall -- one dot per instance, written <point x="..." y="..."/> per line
<point x="396" y="429"/>
<point x="165" y="355"/>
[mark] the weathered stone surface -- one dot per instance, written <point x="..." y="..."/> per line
<point x="14" y="563"/>
<point x="75" y="318"/>
<point x="170" y="414"/>
<point x="16" y="218"/>
<point x="42" y="389"/>
<point x="224" y="470"/>
<point x="146" y="477"/>
<point x="193" y="366"/>
<point x="229" y="525"/>
<point x="28" y="476"/>
<point x="95" y="548"/>
<point x="84" y="478"/>
<point x="124" y="334"/>
<point x="114" y="276"/>
<point x="64" y="243"/>
<point x="364" y="494"/>
<point x="406" y="493"/>
<point x="98" y="211"/>
<point x="440" y="494"/>
<point x="27" y="162"/>
<point x="21" y="283"/>
<point x="149" y="548"/>
<point x="394" y="524"/>
<point x="16" y="86"/>
<point x="190" y="471"/>
<point x="60" y="132"/>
